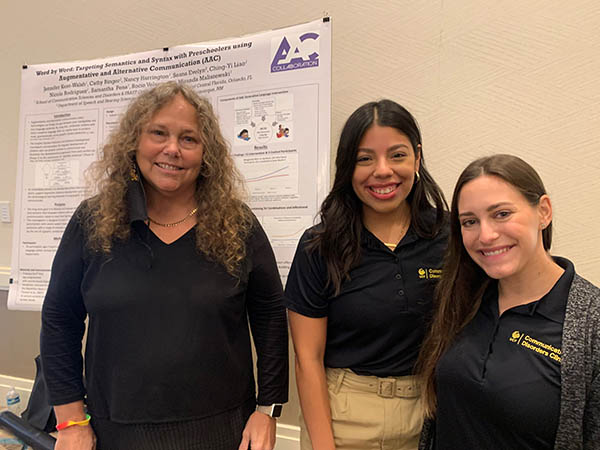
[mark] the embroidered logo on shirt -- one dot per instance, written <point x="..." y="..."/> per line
<point x="535" y="345"/>
<point x="425" y="273"/>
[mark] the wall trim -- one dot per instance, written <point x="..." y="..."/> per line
<point x="288" y="436"/>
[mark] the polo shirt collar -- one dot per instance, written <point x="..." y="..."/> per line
<point x="552" y="306"/>
<point x="368" y="239"/>
<point x="136" y="198"/>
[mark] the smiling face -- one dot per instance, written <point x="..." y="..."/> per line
<point x="170" y="151"/>
<point x="501" y="230"/>
<point x="385" y="170"/>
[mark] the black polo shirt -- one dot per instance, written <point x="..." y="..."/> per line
<point x="375" y="326"/>
<point x="498" y="386"/>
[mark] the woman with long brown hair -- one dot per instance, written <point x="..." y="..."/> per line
<point x="168" y="264"/>
<point x="361" y="285"/>
<point x="512" y="359"/>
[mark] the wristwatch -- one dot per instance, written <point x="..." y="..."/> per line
<point x="273" y="410"/>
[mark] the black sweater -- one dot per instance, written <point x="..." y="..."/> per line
<point x="168" y="335"/>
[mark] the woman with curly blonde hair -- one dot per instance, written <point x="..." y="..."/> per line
<point x="168" y="264"/>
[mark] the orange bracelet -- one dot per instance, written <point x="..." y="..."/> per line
<point x="70" y="423"/>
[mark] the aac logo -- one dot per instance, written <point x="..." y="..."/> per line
<point x="296" y="53"/>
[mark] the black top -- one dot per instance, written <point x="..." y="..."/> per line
<point x="498" y="386"/>
<point x="168" y="335"/>
<point x="375" y="326"/>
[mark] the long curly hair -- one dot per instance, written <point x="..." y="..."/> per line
<point x="460" y="290"/>
<point x="339" y="237"/>
<point x="224" y="220"/>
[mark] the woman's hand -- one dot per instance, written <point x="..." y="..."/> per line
<point x="76" y="438"/>
<point x="259" y="433"/>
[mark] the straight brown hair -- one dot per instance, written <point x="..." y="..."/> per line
<point x="459" y="292"/>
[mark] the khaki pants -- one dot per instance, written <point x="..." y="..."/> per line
<point x="370" y="413"/>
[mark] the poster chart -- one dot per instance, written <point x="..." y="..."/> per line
<point x="271" y="92"/>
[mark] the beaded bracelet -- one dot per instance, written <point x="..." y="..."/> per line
<point x="70" y="423"/>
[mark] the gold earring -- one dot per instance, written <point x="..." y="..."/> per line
<point x="417" y="176"/>
<point x="133" y="172"/>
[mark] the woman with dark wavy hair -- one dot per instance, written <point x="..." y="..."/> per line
<point x="361" y="285"/>
<point x="168" y="264"/>
<point x="512" y="359"/>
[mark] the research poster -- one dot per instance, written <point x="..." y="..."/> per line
<point x="270" y="90"/>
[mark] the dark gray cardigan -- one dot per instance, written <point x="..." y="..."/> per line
<point x="579" y="421"/>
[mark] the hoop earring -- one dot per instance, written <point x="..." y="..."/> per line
<point x="417" y="176"/>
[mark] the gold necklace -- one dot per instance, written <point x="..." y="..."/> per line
<point x="393" y="246"/>
<point x="174" y="224"/>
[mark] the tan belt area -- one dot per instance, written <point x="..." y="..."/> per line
<point x="388" y="387"/>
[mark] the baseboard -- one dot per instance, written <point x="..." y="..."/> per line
<point x="288" y="436"/>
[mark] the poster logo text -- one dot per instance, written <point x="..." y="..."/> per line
<point x="296" y="53"/>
